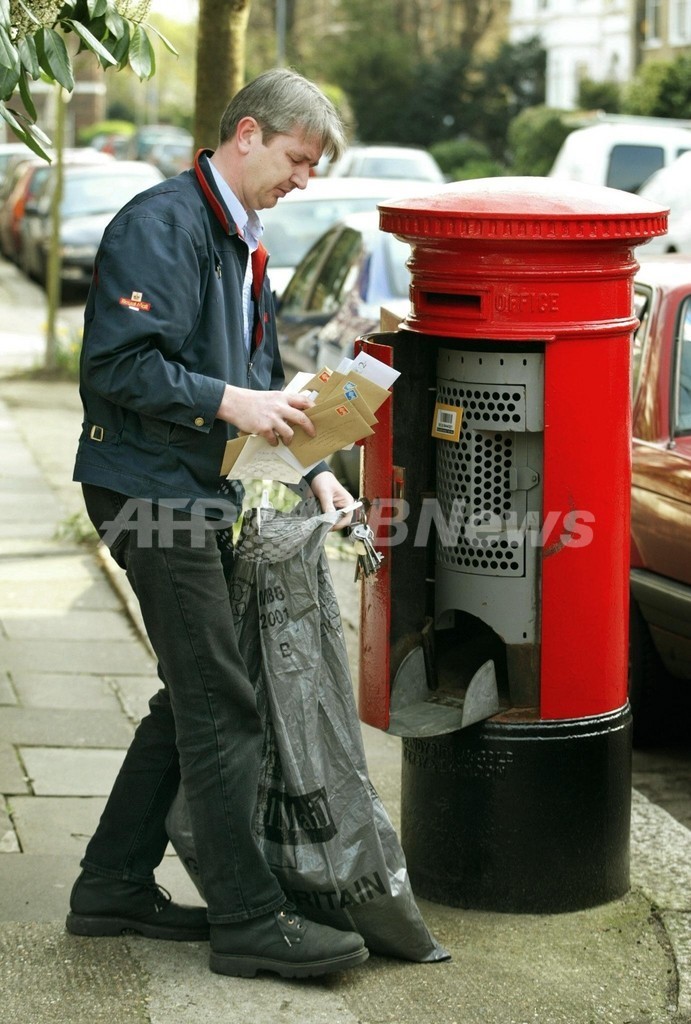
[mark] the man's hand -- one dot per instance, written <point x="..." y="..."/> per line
<point x="331" y="495"/>
<point x="270" y="414"/>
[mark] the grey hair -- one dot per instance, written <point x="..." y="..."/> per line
<point x="281" y="100"/>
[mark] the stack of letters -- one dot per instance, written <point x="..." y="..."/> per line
<point x="345" y="402"/>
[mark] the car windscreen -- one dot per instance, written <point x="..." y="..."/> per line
<point x="85" y="195"/>
<point x="631" y="165"/>
<point x="291" y="228"/>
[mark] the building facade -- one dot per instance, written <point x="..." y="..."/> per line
<point x="604" y="40"/>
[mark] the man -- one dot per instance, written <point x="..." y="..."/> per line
<point x="179" y="354"/>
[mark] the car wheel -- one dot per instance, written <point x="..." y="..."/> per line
<point x="646" y="680"/>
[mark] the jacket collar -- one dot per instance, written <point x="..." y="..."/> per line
<point x="211" y="193"/>
<point x="260" y="256"/>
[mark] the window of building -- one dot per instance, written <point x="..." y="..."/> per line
<point x="679" y="21"/>
<point x="653" y="22"/>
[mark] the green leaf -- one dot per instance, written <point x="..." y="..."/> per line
<point x="166" y="42"/>
<point x="53" y="57"/>
<point x="141" y="55"/>
<point x="97" y="7"/>
<point x="28" y="56"/>
<point x="9" y="58"/>
<point x="9" y="66"/>
<point x="25" y="94"/>
<point x="122" y="46"/>
<point x="8" y="82"/>
<point x="5" y="14"/>
<point x="24" y="130"/>
<point x="92" y="42"/>
<point x="117" y="26"/>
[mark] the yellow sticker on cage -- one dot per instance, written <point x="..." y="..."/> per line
<point x="448" y="420"/>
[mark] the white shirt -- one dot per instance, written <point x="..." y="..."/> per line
<point x="250" y="230"/>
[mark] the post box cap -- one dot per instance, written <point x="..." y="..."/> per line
<point x="524" y="207"/>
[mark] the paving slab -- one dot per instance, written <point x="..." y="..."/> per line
<point x="63" y="825"/>
<point x="8" y="695"/>
<point x="64" y="727"/>
<point x="12" y="775"/>
<point x="64" y="771"/>
<point x="56" y="690"/>
<point x="66" y="656"/>
<point x="134" y="693"/>
<point x="44" y="624"/>
<point x="71" y="592"/>
<point x="36" y="887"/>
<point x="9" y="843"/>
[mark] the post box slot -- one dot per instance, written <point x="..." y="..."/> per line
<point x="454" y="300"/>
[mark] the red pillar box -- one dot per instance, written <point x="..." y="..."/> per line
<point x="494" y="639"/>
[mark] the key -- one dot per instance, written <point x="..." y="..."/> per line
<point x="368" y="558"/>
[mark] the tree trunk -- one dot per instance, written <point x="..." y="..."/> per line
<point x="220" y="64"/>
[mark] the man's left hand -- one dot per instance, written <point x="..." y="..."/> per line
<point x="332" y="495"/>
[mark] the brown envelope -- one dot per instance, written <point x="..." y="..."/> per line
<point x="372" y="393"/>
<point x="337" y="425"/>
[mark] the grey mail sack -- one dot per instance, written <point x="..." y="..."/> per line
<point x="319" y="820"/>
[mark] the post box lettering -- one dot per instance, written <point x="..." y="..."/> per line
<point x="526" y="301"/>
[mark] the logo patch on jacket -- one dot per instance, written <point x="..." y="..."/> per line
<point x="135" y="301"/>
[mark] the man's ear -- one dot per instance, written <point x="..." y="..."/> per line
<point x="246" y="133"/>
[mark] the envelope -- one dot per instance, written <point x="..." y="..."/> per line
<point x="373" y="394"/>
<point x="252" y="458"/>
<point x="336" y="424"/>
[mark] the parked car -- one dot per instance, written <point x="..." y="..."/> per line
<point x="297" y="220"/>
<point x="337" y="293"/>
<point x="388" y="162"/>
<point x="23" y="186"/>
<point x="9" y="150"/>
<point x="338" y="289"/>
<point x="670" y="187"/>
<point x="22" y="182"/>
<point x="148" y="135"/>
<point x="171" y="155"/>
<point x="660" y="633"/>
<point x="619" y="154"/>
<point x="91" y="196"/>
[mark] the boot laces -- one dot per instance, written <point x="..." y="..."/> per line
<point x="161" y="896"/>
<point x="288" y="914"/>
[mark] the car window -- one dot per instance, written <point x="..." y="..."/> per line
<point x="85" y="195"/>
<point x="336" y="273"/>
<point x="631" y="165"/>
<point x="291" y="228"/>
<point x="641" y="309"/>
<point x="684" y="367"/>
<point x="297" y="292"/>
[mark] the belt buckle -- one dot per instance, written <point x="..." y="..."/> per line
<point x="96" y="433"/>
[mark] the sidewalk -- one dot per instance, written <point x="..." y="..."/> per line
<point x="75" y="676"/>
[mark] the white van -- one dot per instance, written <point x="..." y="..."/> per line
<point x="621" y="155"/>
<point x="670" y="187"/>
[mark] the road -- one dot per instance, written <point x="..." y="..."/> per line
<point x="661" y="772"/>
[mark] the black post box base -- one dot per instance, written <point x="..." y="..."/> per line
<point x="520" y="817"/>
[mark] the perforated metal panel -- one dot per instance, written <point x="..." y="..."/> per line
<point x="489" y="485"/>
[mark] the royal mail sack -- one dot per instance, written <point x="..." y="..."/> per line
<point x="319" y="820"/>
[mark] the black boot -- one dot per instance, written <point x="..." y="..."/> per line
<point x="108" y="906"/>
<point x="284" y="942"/>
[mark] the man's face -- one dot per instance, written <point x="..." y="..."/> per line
<point x="274" y="169"/>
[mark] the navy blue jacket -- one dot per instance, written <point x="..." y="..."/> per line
<point x="163" y="335"/>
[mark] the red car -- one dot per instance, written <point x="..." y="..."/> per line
<point x="660" y="644"/>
